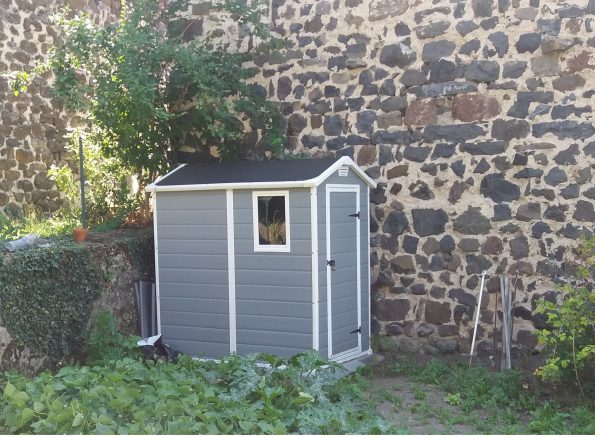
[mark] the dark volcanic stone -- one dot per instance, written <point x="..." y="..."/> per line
<point x="540" y="228"/>
<point x="437" y="313"/>
<point x="472" y="222"/>
<point x="391" y="309"/>
<point x="402" y="264"/>
<point x="567" y="156"/>
<point x="447" y="244"/>
<point x="458" y="168"/>
<point x="477" y="264"/>
<point x="500" y="41"/>
<point x="395" y="223"/>
<point x="564" y="129"/>
<point x="457" y="133"/>
<point x="442" y="70"/>
<point x="482" y="8"/>
<point x="443" y="150"/>
<point x="501" y="213"/>
<point x="333" y="125"/>
<point x="556" y="212"/>
<point x="462" y="297"/>
<point x="497" y="188"/>
<point x="528" y="173"/>
<point x="584" y="211"/>
<point x="482" y="167"/>
<point x="466" y="26"/>
<point x="555" y="177"/>
<point x="397" y="55"/>
<point x="570" y="192"/>
<point x="429" y="221"/>
<point x="437" y="49"/>
<point x="514" y="69"/>
<point x="484" y="148"/>
<point x="410" y="244"/>
<point x="528" y="42"/>
<point x="470" y="47"/>
<point x="432" y="30"/>
<point x="519" y="247"/>
<point x="529" y="211"/>
<point x="421" y="190"/>
<point x="416" y="154"/>
<point x="482" y="71"/>
<point x="507" y="130"/>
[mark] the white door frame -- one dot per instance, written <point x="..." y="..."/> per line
<point x="351" y="353"/>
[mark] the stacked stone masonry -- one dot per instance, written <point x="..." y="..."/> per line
<point x="476" y="119"/>
<point x="33" y="125"/>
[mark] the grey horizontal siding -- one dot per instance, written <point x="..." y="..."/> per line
<point x="274" y="290"/>
<point x="193" y="274"/>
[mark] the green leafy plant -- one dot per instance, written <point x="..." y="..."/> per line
<point x="152" y="87"/>
<point x="570" y="341"/>
<point x="46" y="296"/>
<point x="235" y="396"/>
<point x="106" y="343"/>
<point x="109" y="198"/>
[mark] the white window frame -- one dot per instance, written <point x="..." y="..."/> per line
<point x="270" y="247"/>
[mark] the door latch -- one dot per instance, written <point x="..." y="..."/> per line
<point x="354" y="215"/>
<point x="357" y="331"/>
<point x="332" y="264"/>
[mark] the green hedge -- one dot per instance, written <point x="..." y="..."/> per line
<point x="46" y="296"/>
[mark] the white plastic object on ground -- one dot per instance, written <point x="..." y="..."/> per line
<point x="483" y="276"/>
<point x="22" y="243"/>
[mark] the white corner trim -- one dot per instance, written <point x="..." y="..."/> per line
<point x="156" y="245"/>
<point x="271" y="247"/>
<point x="315" y="291"/>
<point x="151" y="187"/>
<point x="344" y="161"/>
<point x="231" y="272"/>
<point x="368" y="266"/>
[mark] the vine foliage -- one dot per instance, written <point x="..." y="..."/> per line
<point x="46" y="297"/>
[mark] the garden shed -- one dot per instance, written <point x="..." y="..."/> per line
<point x="268" y="256"/>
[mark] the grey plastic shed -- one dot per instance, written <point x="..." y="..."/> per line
<point x="268" y="256"/>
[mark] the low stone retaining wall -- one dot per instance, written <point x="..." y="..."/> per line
<point x="125" y="257"/>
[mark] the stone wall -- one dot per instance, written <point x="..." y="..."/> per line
<point x="126" y="257"/>
<point x="475" y="117"/>
<point x="32" y="125"/>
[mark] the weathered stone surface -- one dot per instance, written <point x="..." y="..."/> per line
<point x="474" y="107"/>
<point x="495" y="187"/>
<point x="528" y="42"/>
<point x="482" y="71"/>
<point x="437" y="49"/>
<point x="519" y="247"/>
<point x="421" y="112"/>
<point x="424" y="330"/>
<point x="397" y="55"/>
<point x="457" y="133"/>
<point x="484" y="148"/>
<point x="437" y="313"/>
<point x="529" y="211"/>
<point x="447" y="89"/>
<point x="381" y="9"/>
<point x="584" y="211"/>
<point x="432" y="30"/>
<point x="555" y="176"/>
<point x="472" y="222"/>
<point x="477" y="264"/>
<point x="482" y="8"/>
<point x="395" y="223"/>
<point x="391" y="309"/>
<point x="429" y="221"/>
<point x="514" y="69"/>
<point x="545" y="65"/>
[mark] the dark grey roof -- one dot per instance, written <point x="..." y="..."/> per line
<point x="290" y="170"/>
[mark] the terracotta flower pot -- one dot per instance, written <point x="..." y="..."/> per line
<point x="79" y="234"/>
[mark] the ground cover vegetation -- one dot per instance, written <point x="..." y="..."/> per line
<point x="119" y="392"/>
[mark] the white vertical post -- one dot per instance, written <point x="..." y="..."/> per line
<point x="231" y="271"/>
<point x="156" y="244"/>
<point x="483" y="275"/>
<point x="315" y="292"/>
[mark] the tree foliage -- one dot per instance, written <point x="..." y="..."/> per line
<point x="152" y="85"/>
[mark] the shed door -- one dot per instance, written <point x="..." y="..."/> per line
<point x="343" y="270"/>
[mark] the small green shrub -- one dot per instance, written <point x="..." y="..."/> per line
<point x="105" y="341"/>
<point x="298" y="395"/>
<point x="570" y="342"/>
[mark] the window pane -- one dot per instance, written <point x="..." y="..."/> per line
<point x="271" y="220"/>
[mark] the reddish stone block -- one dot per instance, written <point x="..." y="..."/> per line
<point x="474" y="107"/>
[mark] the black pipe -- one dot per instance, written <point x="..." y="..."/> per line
<point x="82" y="179"/>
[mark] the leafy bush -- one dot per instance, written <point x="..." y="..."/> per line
<point x="570" y="341"/>
<point x="36" y="223"/>
<point x="46" y="296"/>
<point x="153" y="87"/>
<point x="105" y="341"/>
<point x="237" y="396"/>
<point x="108" y="197"/>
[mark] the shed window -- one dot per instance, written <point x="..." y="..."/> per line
<point x="271" y="221"/>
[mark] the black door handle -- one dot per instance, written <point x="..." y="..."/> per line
<point x="356" y="331"/>
<point x="332" y="264"/>
<point x="354" y="215"/>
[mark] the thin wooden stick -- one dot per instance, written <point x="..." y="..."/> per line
<point x="483" y="276"/>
